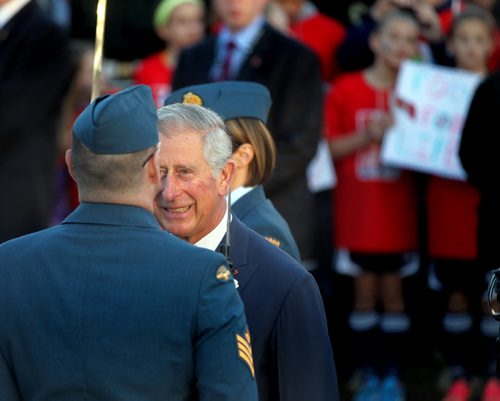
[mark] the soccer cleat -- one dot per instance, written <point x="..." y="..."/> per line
<point x="491" y="390"/>
<point x="392" y="389"/>
<point x="458" y="391"/>
<point x="369" y="389"/>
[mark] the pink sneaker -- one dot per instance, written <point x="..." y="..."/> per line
<point x="491" y="390"/>
<point x="458" y="391"/>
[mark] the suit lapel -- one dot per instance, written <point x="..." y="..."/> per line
<point x="239" y="253"/>
<point x="207" y="59"/>
<point x="257" y="58"/>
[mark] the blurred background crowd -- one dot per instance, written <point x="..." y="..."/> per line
<point x="423" y="314"/>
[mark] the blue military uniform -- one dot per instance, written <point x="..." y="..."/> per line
<point x="107" y="306"/>
<point x="259" y="213"/>
<point x="236" y="99"/>
<point x="292" y="351"/>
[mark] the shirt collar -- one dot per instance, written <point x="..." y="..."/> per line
<point x="213" y="238"/>
<point x="9" y="9"/>
<point x="239" y="193"/>
<point x="244" y="38"/>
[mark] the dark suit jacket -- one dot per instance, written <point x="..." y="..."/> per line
<point x="35" y="72"/>
<point x="292" y="352"/>
<point x="478" y="152"/>
<point x="259" y="213"/>
<point x="107" y="306"/>
<point x="291" y="72"/>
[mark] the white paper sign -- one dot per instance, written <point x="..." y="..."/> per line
<point x="430" y="105"/>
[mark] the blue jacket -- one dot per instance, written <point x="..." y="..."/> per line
<point x="107" y="306"/>
<point x="285" y="312"/>
<point x="259" y="213"/>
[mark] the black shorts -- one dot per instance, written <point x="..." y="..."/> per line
<point x="381" y="262"/>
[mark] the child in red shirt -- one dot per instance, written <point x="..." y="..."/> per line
<point x="375" y="216"/>
<point x="179" y="23"/>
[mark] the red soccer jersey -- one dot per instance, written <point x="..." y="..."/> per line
<point x="374" y="206"/>
<point x="451" y="219"/>
<point x="323" y="35"/>
<point x="154" y="72"/>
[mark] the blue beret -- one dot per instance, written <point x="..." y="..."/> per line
<point x="229" y="99"/>
<point x="124" y="122"/>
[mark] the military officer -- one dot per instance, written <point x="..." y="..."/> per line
<point x="107" y="306"/>
<point x="244" y="106"/>
<point x="292" y="352"/>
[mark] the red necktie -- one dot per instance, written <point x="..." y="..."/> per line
<point x="226" y="65"/>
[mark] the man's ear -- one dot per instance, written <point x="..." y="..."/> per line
<point x="225" y="178"/>
<point x="69" y="163"/>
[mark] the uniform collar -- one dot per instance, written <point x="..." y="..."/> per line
<point x="238" y="193"/>
<point x="10" y="9"/>
<point x="112" y="215"/>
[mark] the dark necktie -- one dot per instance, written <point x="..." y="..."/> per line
<point x="226" y="65"/>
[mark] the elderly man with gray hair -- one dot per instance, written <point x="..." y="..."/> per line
<point x="292" y="352"/>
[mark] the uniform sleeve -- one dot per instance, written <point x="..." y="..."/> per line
<point x="8" y="387"/>
<point x="306" y="368"/>
<point x="223" y="356"/>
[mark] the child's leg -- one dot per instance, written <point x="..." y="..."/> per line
<point x="364" y="319"/>
<point x="395" y="323"/>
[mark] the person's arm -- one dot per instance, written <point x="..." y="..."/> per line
<point x="479" y="143"/>
<point x="343" y="144"/>
<point x="295" y="121"/>
<point x="306" y="368"/>
<point x="8" y="387"/>
<point x="34" y="84"/>
<point x="223" y="360"/>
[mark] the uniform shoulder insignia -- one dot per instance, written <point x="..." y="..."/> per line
<point x="223" y="274"/>
<point x="273" y="241"/>
<point x="245" y="350"/>
<point x="192" y="98"/>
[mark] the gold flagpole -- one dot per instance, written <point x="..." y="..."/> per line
<point x="99" y="42"/>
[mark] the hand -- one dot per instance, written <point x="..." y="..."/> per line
<point x="378" y="124"/>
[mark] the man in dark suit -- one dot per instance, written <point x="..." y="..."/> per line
<point x="107" y="306"/>
<point x="259" y="53"/>
<point x="292" y="352"/>
<point x="35" y="72"/>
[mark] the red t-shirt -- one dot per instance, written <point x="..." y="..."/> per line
<point x="374" y="206"/>
<point x="154" y="72"/>
<point x="323" y="35"/>
<point x="451" y="219"/>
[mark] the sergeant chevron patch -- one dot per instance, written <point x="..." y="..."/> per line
<point x="274" y="241"/>
<point x="245" y="351"/>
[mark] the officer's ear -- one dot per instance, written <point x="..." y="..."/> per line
<point x="225" y="178"/>
<point x="153" y="166"/>
<point x="244" y="155"/>
<point x="68" y="157"/>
